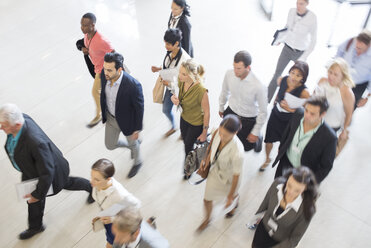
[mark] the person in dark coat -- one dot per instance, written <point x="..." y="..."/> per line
<point x="32" y="153"/>
<point x="178" y="19"/>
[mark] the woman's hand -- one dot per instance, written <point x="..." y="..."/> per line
<point x="229" y="201"/>
<point x="343" y="135"/>
<point x="166" y="83"/>
<point x="106" y="220"/>
<point x="175" y="100"/>
<point x="203" y="136"/>
<point x="286" y="106"/>
<point x="155" y="69"/>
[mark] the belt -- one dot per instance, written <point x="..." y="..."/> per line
<point x="247" y="118"/>
<point x="292" y="49"/>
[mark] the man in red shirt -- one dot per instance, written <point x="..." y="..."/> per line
<point x="96" y="46"/>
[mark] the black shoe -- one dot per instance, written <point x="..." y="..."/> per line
<point x="134" y="170"/>
<point x="30" y="233"/>
<point x="258" y="144"/>
<point x="90" y="199"/>
<point x="186" y="177"/>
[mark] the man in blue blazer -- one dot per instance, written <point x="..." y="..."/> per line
<point x="32" y="153"/>
<point x="308" y="141"/>
<point x="122" y="108"/>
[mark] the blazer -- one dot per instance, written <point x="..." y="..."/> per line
<point x="151" y="238"/>
<point x="290" y="227"/>
<point x="185" y="26"/>
<point x="38" y="157"/>
<point x="129" y="107"/>
<point x="319" y="153"/>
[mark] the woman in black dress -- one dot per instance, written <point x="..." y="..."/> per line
<point x="293" y="84"/>
<point x="178" y="19"/>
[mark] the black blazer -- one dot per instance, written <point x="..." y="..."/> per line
<point x="185" y="26"/>
<point x="38" y="157"/>
<point x="129" y="104"/>
<point x="319" y="154"/>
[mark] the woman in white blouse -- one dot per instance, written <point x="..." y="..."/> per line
<point x="107" y="192"/>
<point x="226" y="160"/>
<point x="337" y="88"/>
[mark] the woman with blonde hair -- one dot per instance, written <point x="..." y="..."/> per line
<point x="193" y="101"/>
<point x="337" y="88"/>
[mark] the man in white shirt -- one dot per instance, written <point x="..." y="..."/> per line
<point x="247" y="98"/>
<point x="300" y="39"/>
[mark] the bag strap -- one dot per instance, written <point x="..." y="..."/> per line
<point x="208" y="151"/>
<point x="350" y="41"/>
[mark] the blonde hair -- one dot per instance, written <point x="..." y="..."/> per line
<point x="344" y="68"/>
<point x="194" y="70"/>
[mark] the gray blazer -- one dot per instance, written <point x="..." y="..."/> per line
<point x="290" y="227"/>
<point x="151" y="238"/>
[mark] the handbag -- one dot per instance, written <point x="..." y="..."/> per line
<point x="205" y="172"/>
<point x="158" y="91"/>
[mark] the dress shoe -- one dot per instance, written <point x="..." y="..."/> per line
<point x="90" y="199"/>
<point x="258" y="144"/>
<point x="134" y="170"/>
<point x="170" y="132"/>
<point x="30" y="233"/>
<point x="94" y="122"/>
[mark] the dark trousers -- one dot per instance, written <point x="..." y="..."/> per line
<point x="189" y="134"/>
<point x="36" y="210"/>
<point x="358" y="92"/>
<point x="247" y="125"/>
<point x="283" y="166"/>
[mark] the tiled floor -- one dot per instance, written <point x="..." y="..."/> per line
<point x="44" y="74"/>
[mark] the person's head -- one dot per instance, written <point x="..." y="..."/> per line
<point x="301" y="6"/>
<point x="338" y="73"/>
<point x="229" y="127"/>
<point x="113" y="65"/>
<point x="301" y="181"/>
<point x="101" y="173"/>
<point x="172" y="38"/>
<point x="242" y="64"/>
<point x="363" y="41"/>
<point x="179" y="6"/>
<point x="11" y="118"/>
<point x="126" y="225"/>
<point x="191" y="71"/>
<point x="88" y="23"/>
<point x="298" y="73"/>
<point x="315" y="109"/>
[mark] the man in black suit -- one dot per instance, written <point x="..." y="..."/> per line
<point x="122" y="108"/>
<point x="32" y="153"/>
<point x="308" y="141"/>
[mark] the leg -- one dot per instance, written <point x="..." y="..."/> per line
<point x="35" y="214"/>
<point x="183" y="128"/>
<point x="78" y="183"/>
<point x="167" y="107"/>
<point x="112" y="134"/>
<point x="134" y="147"/>
<point x="247" y="126"/>
<point x="208" y="209"/>
<point x="268" y="149"/>
<point x="191" y="137"/>
<point x="96" y="93"/>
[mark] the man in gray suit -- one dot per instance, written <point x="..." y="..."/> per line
<point x="131" y="232"/>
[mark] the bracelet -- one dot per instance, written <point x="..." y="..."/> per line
<point x="206" y="127"/>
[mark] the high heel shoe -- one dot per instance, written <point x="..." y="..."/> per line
<point x="265" y="165"/>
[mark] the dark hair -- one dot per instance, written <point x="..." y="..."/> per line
<point x="231" y="123"/>
<point x="172" y="35"/>
<point x="320" y="101"/>
<point x="183" y="4"/>
<point x="117" y="58"/>
<point x="90" y="16"/>
<point x="243" y="56"/>
<point x="305" y="176"/>
<point x="105" y="167"/>
<point x="303" y="68"/>
<point x="364" y="37"/>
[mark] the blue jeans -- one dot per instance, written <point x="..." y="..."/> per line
<point x="167" y="107"/>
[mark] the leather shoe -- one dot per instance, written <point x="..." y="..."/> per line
<point x="134" y="170"/>
<point x="258" y="144"/>
<point x="94" y="122"/>
<point x="30" y="233"/>
<point x="90" y="199"/>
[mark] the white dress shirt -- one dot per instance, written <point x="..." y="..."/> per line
<point x="111" y="94"/>
<point x="302" y="32"/>
<point x="247" y="98"/>
<point x="174" y="20"/>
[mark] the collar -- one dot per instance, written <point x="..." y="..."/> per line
<point x="109" y="190"/>
<point x="176" y="58"/>
<point x="10" y="136"/>
<point x="302" y="15"/>
<point x="295" y="205"/>
<point x="135" y="243"/>
<point x="313" y="130"/>
<point x="176" y="17"/>
<point x="118" y="81"/>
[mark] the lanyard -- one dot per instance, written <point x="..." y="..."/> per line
<point x="185" y="93"/>
<point x="100" y="204"/>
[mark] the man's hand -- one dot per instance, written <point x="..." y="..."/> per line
<point x="32" y="199"/>
<point x="252" y="138"/>
<point x="85" y="50"/>
<point x="221" y="114"/>
<point x="135" y="135"/>
<point x="155" y="69"/>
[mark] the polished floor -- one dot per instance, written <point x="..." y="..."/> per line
<point x="43" y="73"/>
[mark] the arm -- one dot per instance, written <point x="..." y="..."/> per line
<point x="232" y="191"/>
<point x="348" y="102"/>
<point x="206" y="108"/>
<point x="272" y="190"/>
<point x="304" y="94"/>
<point x="186" y="33"/>
<point x="44" y="163"/>
<point x="327" y="159"/>
<point x="296" y="235"/>
<point x="138" y="105"/>
<point x="313" y="40"/>
<point x="341" y="49"/>
<point x="262" y="115"/>
<point x="224" y="95"/>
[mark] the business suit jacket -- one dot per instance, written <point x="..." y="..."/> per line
<point x="319" y="153"/>
<point x="129" y="107"/>
<point x="38" y="157"/>
<point x="151" y="238"/>
<point x="290" y="227"/>
<point x="185" y="26"/>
